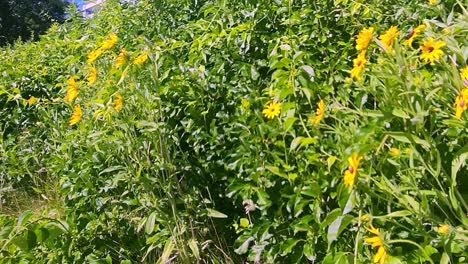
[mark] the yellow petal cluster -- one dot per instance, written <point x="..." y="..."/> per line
<point x="121" y="58"/>
<point x="110" y="41"/>
<point x="363" y="38"/>
<point x="118" y="102"/>
<point x="388" y="37"/>
<point x="358" y="65"/>
<point x="395" y="152"/>
<point x="431" y="50"/>
<point x="141" y="58"/>
<point x="93" y="55"/>
<point x="351" y="171"/>
<point x="414" y="33"/>
<point x="76" y="115"/>
<point x="443" y="229"/>
<point x="72" y="90"/>
<point x="92" y="75"/>
<point x="376" y="241"/>
<point x="461" y="103"/>
<point x="32" y="100"/>
<point x="106" y="44"/>
<point x="319" y="113"/>
<point x="272" y="109"/>
<point x="464" y="76"/>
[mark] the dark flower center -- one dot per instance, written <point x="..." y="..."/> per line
<point x="430" y="49"/>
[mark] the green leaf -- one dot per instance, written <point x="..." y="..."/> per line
<point x="333" y="228"/>
<point x="242" y="249"/>
<point x="301" y="142"/>
<point x="445" y="259"/>
<point x="276" y="171"/>
<point x="331" y="216"/>
<point x="309" y="70"/>
<point x="254" y="73"/>
<point x="244" y="222"/>
<point x="330" y="161"/>
<point x="401" y="213"/>
<point x="263" y="197"/>
<point x="149" y="226"/>
<point x="215" y="214"/>
<point x="411" y="202"/>
<point x="429" y="250"/>
<point x="55" y="229"/>
<point x="21" y="242"/>
<point x="409" y="138"/>
<point x="194" y="248"/>
<point x="166" y="254"/>
<point x="309" y="252"/>
<point x="292" y="176"/>
<point x="112" y="169"/>
<point x="295" y="143"/>
<point x="32" y="239"/>
<point x="349" y="204"/>
<point x="311" y="189"/>
<point x="42" y="234"/>
<point x="400" y="113"/>
<point x="289" y="122"/>
<point x="288" y="245"/>
<point x="24" y="218"/>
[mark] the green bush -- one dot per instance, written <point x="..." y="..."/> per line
<point x="224" y="132"/>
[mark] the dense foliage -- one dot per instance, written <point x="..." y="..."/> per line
<point x="234" y="131"/>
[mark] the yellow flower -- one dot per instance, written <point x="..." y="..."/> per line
<point x="461" y="103"/>
<point x="121" y="58"/>
<point x="365" y="218"/>
<point x="272" y="109"/>
<point x="351" y="171"/>
<point x="92" y="75"/>
<point x="376" y="241"/>
<point x="414" y="33"/>
<point x="380" y="256"/>
<point x="363" y="38"/>
<point x="93" y="55"/>
<point x="358" y="65"/>
<point x="110" y="41"/>
<point x="76" y="115"/>
<point x="141" y="58"/>
<point x="431" y="50"/>
<point x="464" y="75"/>
<point x="443" y="229"/>
<point x="31" y="100"/>
<point x="319" y="113"/>
<point x="395" y="152"/>
<point x="72" y="90"/>
<point x="433" y="2"/>
<point x="388" y="38"/>
<point x="118" y="102"/>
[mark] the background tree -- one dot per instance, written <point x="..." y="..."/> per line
<point x="27" y="19"/>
